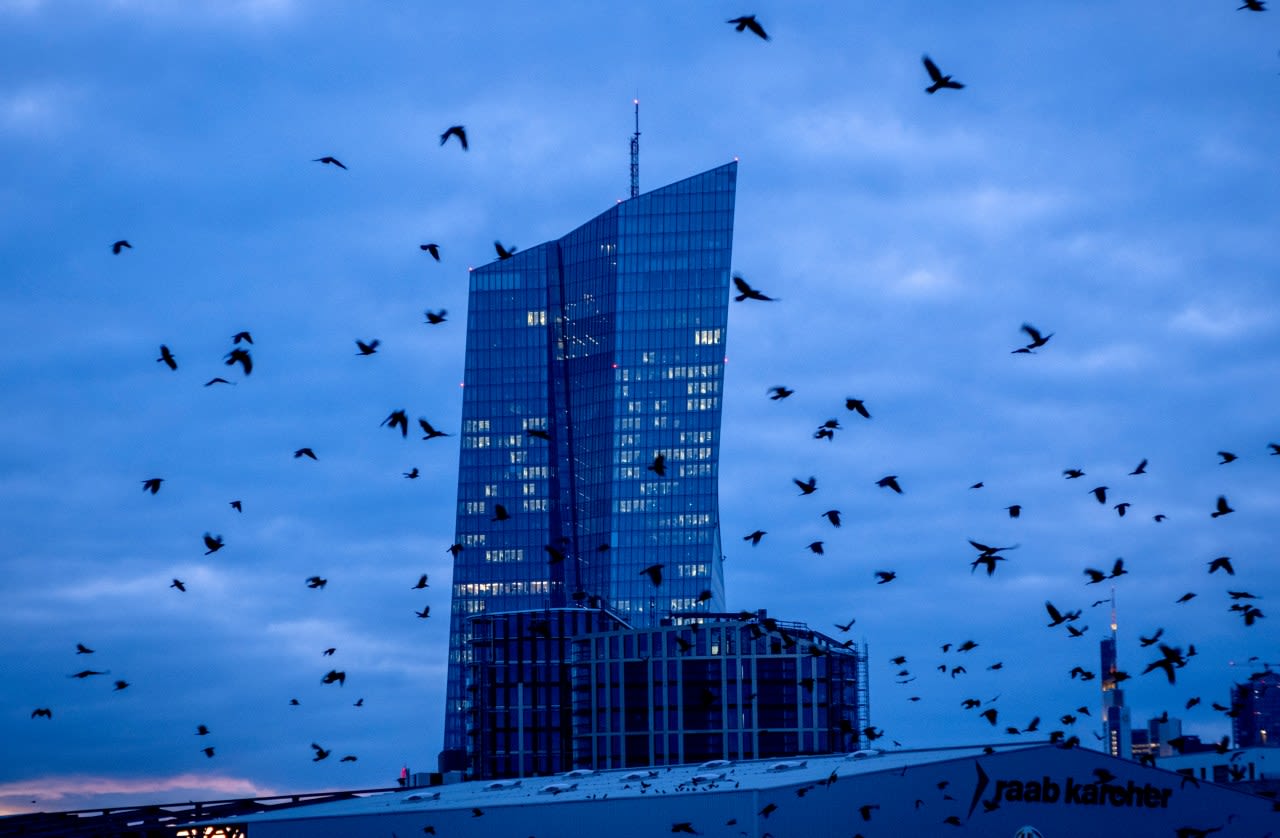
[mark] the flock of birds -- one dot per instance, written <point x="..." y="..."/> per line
<point x="1170" y="660"/>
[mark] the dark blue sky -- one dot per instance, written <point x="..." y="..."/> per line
<point x="1107" y="174"/>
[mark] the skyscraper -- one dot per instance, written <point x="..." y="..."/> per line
<point x="1115" y="715"/>
<point x="591" y="420"/>
<point x="1257" y="711"/>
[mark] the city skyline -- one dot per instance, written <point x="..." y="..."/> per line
<point x="1105" y="175"/>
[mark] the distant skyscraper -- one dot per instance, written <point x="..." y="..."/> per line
<point x="1257" y="706"/>
<point x="1115" y="715"/>
<point x="591" y="420"/>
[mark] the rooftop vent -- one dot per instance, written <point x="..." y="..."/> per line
<point x="865" y="754"/>
<point x="502" y="785"/>
<point x="788" y="766"/>
<point x="715" y="763"/>
<point x="557" y="788"/>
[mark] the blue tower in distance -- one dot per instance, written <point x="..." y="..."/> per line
<point x="590" y="440"/>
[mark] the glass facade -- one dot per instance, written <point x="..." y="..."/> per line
<point x="591" y="420"/>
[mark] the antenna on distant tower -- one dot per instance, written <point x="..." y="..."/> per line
<point x="1113" y="612"/>
<point x="635" y="153"/>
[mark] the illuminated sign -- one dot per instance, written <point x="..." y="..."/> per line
<point x="1071" y="792"/>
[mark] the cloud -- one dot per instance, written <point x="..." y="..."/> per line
<point x="78" y="790"/>
<point x="1217" y="322"/>
<point x="39" y="109"/>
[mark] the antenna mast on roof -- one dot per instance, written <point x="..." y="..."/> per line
<point x="635" y="154"/>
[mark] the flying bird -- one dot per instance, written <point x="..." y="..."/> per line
<point x="889" y="482"/>
<point x="500" y="513"/>
<point x="1072" y="473"/>
<point x="304" y="452"/>
<point x="208" y="751"/>
<point x="82" y="649"/>
<point x="806" y="487"/>
<point x="1122" y="507"/>
<point x="1227" y="457"/>
<point x="658" y="466"/>
<point x="321" y="753"/>
<point x="1037" y="339"/>
<point x="241" y="357"/>
<point x="754" y="537"/>
<point x="1222" y="563"/>
<point x="217" y="379"/>
<point x="85" y="673"/>
<point x="316" y="583"/>
<point x="749" y="22"/>
<point x="832" y="515"/>
<point x="121" y="685"/>
<point x="455" y="131"/>
<point x="429" y="431"/>
<point x="1223" y="508"/>
<point x="240" y="337"/>
<point x="236" y="505"/>
<point x="503" y="253"/>
<point x="179" y="584"/>
<point x="118" y="247"/>
<point x="1141" y="469"/>
<point x="940" y="81"/>
<point x="202" y="730"/>
<point x="166" y="357"/>
<point x="214" y="543"/>
<point x="422" y="583"/>
<point x="746" y="292"/>
<point x="435" y="318"/>
<point x="367" y="348"/>
<point x="433" y="249"/>
<point x="816" y="548"/>
<point x="152" y="484"/>
<point x="424" y="613"/>
<point x="44" y="712"/>
<point x="654" y="572"/>
<point x="1275" y="448"/>
<point x="411" y="474"/>
<point x="335" y="676"/>
<point x="329" y="161"/>
<point x="1015" y="510"/>
<point x="397" y="419"/>
<point x="884" y="576"/>
<point x="1253" y="6"/>
<point x="1099" y="492"/>
<point x="857" y="406"/>
<point x="779" y="393"/>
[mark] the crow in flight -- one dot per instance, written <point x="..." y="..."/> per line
<point x="754" y="537"/>
<point x="806" y="487"/>
<point x="82" y="649"/>
<point x="1141" y="469"/>
<point x="304" y="452"/>
<point x="152" y="484"/>
<point x="455" y="131"/>
<point x="326" y="160"/>
<point x="503" y="253"/>
<point x="431" y="433"/>
<point x="745" y="22"/>
<point x="940" y="81"/>
<point x="166" y="357"/>
<point x="316" y="583"/>
<point x="746" y="292"/>
<point x="889" y="482"/>
<point x="779" y="393"/>
<point x="179" y="584"/>
<point x="422" y="583"/>
<point x="241" y="357"/>
<point x="654" y="572"/>
<point x="398" y="418"/>
<point x="214" y="543"/>
<point x="367" y="348"/>
<point x="500" y="513"/>
<point x="117" y="247"/>
<point x="435" y="318"/>
<point x="433" y="249"/>
<point x="1222" y="509"/>
<point x="857" y="406"/>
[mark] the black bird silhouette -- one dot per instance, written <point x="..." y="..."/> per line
<point x="42" y="712"/>
<point x="321" y="753"/>
<point x="1122" y="507"/>
<point x="1057" y="617"/>
<point x="349" y="758"/>
<point x="117" y="247"/>
<point x="1037" y="340"/>
<point x="1253" y="6"/>
<point x="503" y="253"/>
<point x="179" y="584"/>
<point x="335" y="676"/>
<point x="454" y="549"/>
<point x="213" y="542"/>
<point x="1072" y="473"/>
<point x="166" y="357"/>
<point x="217" y="379"/>
<point x="754" y="537"/>
<point x="85" y="673"/>
<point x="537" y="433"/>
<point x="1144" y="642"/>
<point x="367" y="348"/>
<point x="397" y="419"/>
<point x="746" y="22"/>
<point x="884" y="576"/>
<point x="1227" y="457"/>
<point x="1141" y="469"/>
<point x="684" y="826"/>
<point x="844" y="627"/>
<point x="241" y="357"/>
<point x="455" y="131"/>
<point x="433" y="249"/>
<point x="82" y="649"/>
<point x="120" y="685"/>
<point x="422" y="583"/>
<point x="1222" y="563"/>
<point x="237" y="506"/>
<point x="654" y="572"/>
<point x="435" y="318"/>
<point x="329" y="161"/>
<point x="1187" y="597"/>
<point x="746" y="292"/>
<point x="806" y="487"/>
<point x="424" y="613"/>
<point x="1099" y="492"/>
<point x="208" y="751"/>
<point x="889" y="482"/>
<point x="658" y="466"/>
<point x="304" y="452"/>
<point x="1222" y="509"/>
<point x="202" y="730"/>
<point x="429" y="431"/>
<point x="500" y="513"/>
<point x="832" y="515"/>
<point x="1158" y="517"/>
<point x="152" y="484"/>
<point x="857" y="406"/>
<point x="940" y="81"/>
<point x="1015" y="510"/>
<point x="816" y="548"/>
<point x="412" y="474"/>
<point x="316" y="582"/>
<point x="244" y="337"/>
<point x="779" y="393"/>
